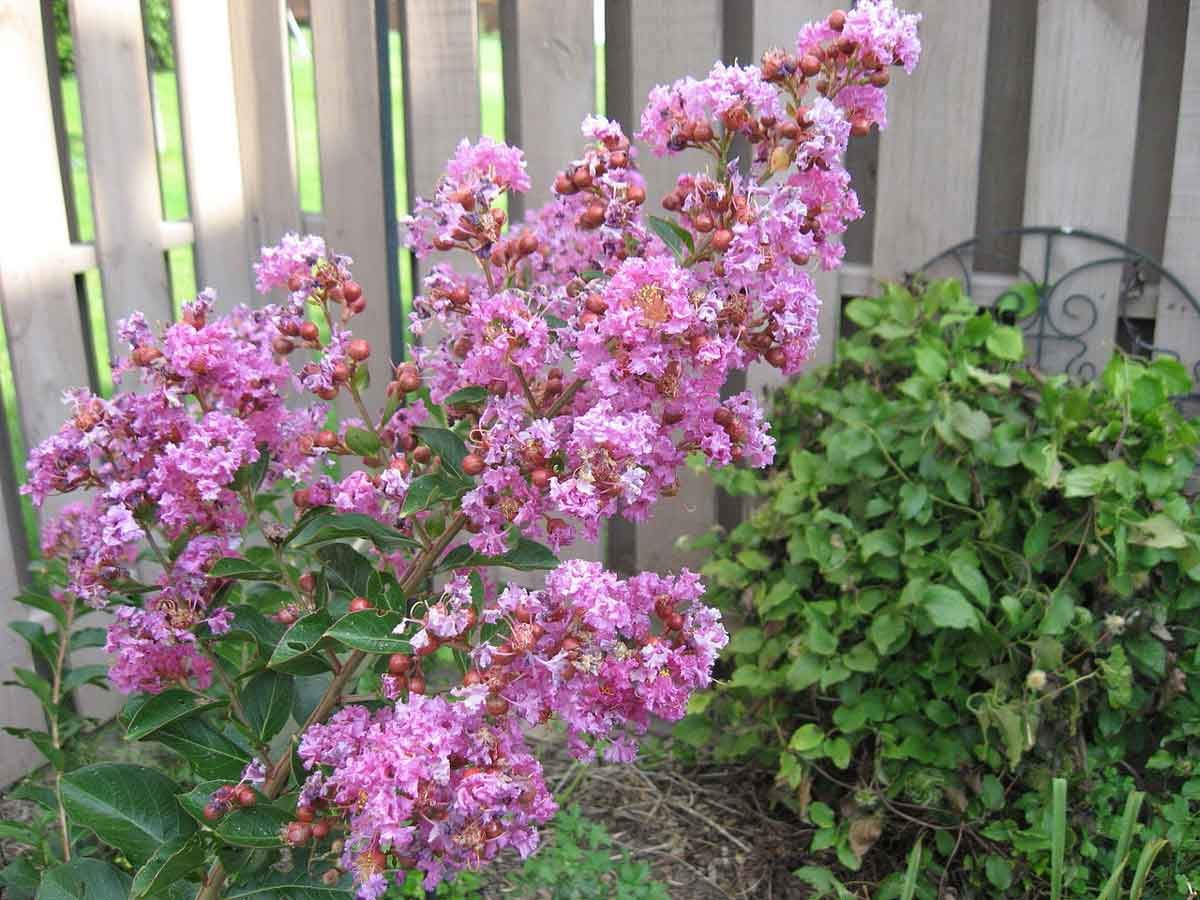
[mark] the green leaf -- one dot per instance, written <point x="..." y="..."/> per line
<point x="1007" y="343"/>
<point x="694" y="730"/>
<point x="252" y="474"/>
<point x="1159" y="532"/>
<point x="145" y="714"/>
<point x="527" y="555"/>
<point x="88" y="638"/>
<point x="346" y="569"/>
<point x="973" y="424"/>
<point x="838" y="750"/>
<point x="806" y="738"/>
<point x="673" y="235"/>
<point x="267" y="701"/>
<point x="999" y="872"/>
<point x="965" y="568"/>
<point x="468" y="396"/>
<point x="173" y="861"/>
<point x="42" y="741"/>
<point x="1118" y="678"/>
<point x="209" y="753"/>
<point x="255" y="826"/>
<point x="423" y="493"/>
<point x="293" y="654"/>
<point x="241" y="569"/>
<point x="746" y="639"/>
<point x="913" y="499"/>
<point x="370" y="630"/>
<point x="804" y="671"/>
<point x="948" y="608"/>
<point x="446" y="445"/>
<point x="129" y="807"/>
<point x="45" y="604"/>
<point x="1084" y="481"/>
<point x="330" y="527"/>
<point x="883" y="541"/>
<point x="887" y="632"/>
<point x="22" y="834"/>
<point x="931" y="361"/>
<point x="84" y="879"/>
<point x="291" y="886"/>
<point x="1059" y="613"/>
<point x="362" y="441"/>
<point x="79" y="676"/>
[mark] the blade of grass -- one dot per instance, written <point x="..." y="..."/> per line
<point x="909" y="889"/>
<point x="1145" y="861"/>
<point x="1133" y="805"/>
<point x="1058" y="837"/>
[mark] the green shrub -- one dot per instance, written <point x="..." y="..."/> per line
<point x="578" y="864"/>
<point x="962" y="579"/>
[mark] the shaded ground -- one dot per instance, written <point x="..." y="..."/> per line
<point x="706" y="830"/>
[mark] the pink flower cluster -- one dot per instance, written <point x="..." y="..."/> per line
<point x="440" y="785"/>
<point x="579" y="365"/>
<point x="426" y="784"/>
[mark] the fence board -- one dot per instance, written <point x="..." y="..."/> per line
<point x="929" y="153"/>
<point x="208" y="115"/>
<point x="40" y="315"/>
<point x="441" y="88"/>
<point x="349" y="128"/>
<point x="263" y="91"/>
<point x="1178" y="325"/>
<point x="1082" y="134"/>
<point x="549" y="85"/>
<point x="114" y="93"/>
<point x="648" y="44"/>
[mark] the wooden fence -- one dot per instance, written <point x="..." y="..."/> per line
<point x="1060" y="112"/>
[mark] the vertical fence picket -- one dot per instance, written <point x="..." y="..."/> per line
<point x="549" y="85"/>
<point x="208" y="112"/>
<point x="41" y="318"/>
<point x="358" y="211"/>
<point x="1087" y="74"/>
<point x="441" y="87"/>
<point x="1178" y="324"/>
<point x="649" y="44"/>
<point x="114" y="92"/>
<point x="263" y="92"/>
<point x="929" y="153"/>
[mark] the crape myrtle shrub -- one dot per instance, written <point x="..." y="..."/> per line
<point x="962" y="577"/>
<point x="302" y="573"/>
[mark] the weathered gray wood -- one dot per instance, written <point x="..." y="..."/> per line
<point x="352" y="166"/>
<point x="38" y="297"/>
<point x="1178" y="324"/>
<point x="649" y="44"/>
<point x="1081" y="148"/>
<point x="549" y="86"/>
<point x="929" y="153"/>
<point x="41" y="313"/>
<point x="114" y="93"/>
<point x="263" y="89"/>
<point x="1006" y="105"/>
<point x="208" y="113"/>
<point x="441" y="89"/>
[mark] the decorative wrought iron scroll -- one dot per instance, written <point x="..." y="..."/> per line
<point x="1065" y="317"/>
